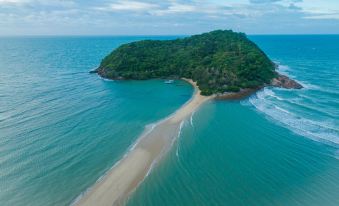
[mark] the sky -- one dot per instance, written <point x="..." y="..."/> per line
<point x="167" y="17"/>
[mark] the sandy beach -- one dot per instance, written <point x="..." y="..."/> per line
<point x="126" y="175"/>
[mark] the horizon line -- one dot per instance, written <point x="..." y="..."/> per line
<point x="155" y="35"/>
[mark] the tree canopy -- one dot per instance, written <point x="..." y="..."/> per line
<point x="219" y="61"/>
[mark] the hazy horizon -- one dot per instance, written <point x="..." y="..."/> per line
<point x="151" y="35"/>
<point x="168" y="17"/>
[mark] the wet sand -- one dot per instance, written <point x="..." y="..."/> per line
<point x="126" y="175"/>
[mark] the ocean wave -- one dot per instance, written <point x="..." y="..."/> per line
<point x="336" y="155"/>
<point x="281" y="109"/>
<point x="309" y="86"/>
<point x="283" y="69"/>
<point x="191" y="119"/>
<point x="177" y="151"/>
<point x="178" y="139"/>
<point x="319" y="130"/>
<point x="286" y="70"/>
<point x="105" y="79"/>
<point x="180" y="128"/>
<point x="271" y="93"/>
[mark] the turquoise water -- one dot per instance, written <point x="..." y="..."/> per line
<point x="278" y="147"/>
<point x="232" y="155"/>
<point x="61" y="128"/>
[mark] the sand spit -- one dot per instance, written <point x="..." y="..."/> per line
<point x="126" y="175"/>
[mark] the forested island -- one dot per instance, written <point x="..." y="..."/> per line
<point x="219" y="61"/>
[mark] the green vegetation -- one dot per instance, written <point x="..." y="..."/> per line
<point x="219" y="61"/>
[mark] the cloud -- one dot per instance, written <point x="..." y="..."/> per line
<point x="158" y="9"/>
<point x="132" y="6"/>
<point x="263" y="1"/>
<point x="324" y="16"/>
<point x="294" y="7"/>
<point x="12" y="2"/>
<point x="175" y="7"/>
<point x="318" y="9"/>
<point x="167" y="16"/>
<point x="9" y="1"/>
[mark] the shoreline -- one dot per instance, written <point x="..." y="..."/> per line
<point x="121" y="180"/>
<point x="237" y="95"/>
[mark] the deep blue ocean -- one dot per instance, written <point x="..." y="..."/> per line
<point x="62" y="128"/>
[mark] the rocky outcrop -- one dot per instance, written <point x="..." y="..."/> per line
<point x="243" y="93"/>
<point x="285" y="82"/>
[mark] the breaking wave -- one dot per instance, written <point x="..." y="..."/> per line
<point x="269" y="103"/>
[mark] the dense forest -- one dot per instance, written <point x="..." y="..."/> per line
<point x="219" y="61"/>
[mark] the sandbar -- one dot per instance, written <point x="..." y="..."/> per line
<point x="115" y="187"/>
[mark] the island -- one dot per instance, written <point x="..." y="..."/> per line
<point x="221" y="62"/>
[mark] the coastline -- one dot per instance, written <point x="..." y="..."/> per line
<point x="237" y="95"/>
<point x="130" y="171"/>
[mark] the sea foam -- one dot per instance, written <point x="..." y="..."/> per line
<point x="319" y="130"/>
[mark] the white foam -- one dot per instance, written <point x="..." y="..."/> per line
<point x="191" y="119"/>
<point x="180" y="128"/>
<point x="283" y="110"/>
<point x="177" y="139"/>
<point x="286" y="70"/>
<point x="310" y="86"/>
<point x="283" y="69"/>
<point x="323" y="131"/>
<point x="269" y="92"/>
<point x="107" y="80"/>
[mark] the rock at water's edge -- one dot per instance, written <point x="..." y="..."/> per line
<point x="285" y="82"/>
